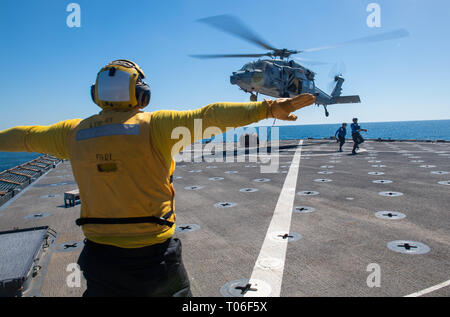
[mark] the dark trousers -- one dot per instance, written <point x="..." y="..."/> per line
<point x="155" y="271"/>
<point x="341" y="142"/>
<point x="357" y="140"/>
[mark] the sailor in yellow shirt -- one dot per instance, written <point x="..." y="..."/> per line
<point x="122" y="161"/>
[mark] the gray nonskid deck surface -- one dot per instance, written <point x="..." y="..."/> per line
<point x="339" y="239"/>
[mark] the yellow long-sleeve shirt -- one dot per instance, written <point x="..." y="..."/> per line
<point x="54" y="140"/>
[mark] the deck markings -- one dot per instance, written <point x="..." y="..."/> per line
<point x="429" y="289"/>
<point x="273" y="250"/>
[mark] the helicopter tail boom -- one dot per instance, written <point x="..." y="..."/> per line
<point x="347" y="99"/>
<point x="338" y="88"/>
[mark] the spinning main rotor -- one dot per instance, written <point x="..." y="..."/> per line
<point x="235" y="27"/>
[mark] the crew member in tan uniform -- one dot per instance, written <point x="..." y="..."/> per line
<point x="122" y="161"/>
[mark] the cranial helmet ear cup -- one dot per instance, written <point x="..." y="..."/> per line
<point x="143" y="94"/>
<point x="93" y="93"/>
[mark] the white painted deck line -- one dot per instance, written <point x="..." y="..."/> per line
<point x="267" y="275"/>
<point x="430" y="289"/>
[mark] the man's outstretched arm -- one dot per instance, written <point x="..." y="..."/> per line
<point x="52" y="139"/>
<point x="221" y="116"/>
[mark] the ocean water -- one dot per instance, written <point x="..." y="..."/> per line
<point x="404" y="130"/>
<point x="9" y="160"/>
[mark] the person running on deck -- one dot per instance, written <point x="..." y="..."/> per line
<point x="340" y="135"/>
<point x="122" y="160"/>
<point x="356" y="136"/>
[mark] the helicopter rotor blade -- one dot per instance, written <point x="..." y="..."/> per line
<point x="337" y="69"/>
<point x="207" y="56"/>
<point x="367" y="39"/>
<point x="310" y="62"/>
<point x="234" y="26"/>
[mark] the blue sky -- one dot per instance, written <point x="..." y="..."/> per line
<point x="47" y="68"/>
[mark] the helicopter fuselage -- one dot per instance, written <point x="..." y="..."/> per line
<point x="285" y="79"/>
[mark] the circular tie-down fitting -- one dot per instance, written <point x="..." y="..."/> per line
<point x="38" y="215"/>
<point x="248" y="190"/>
<point x="391" y="215"/>
<point x="69" y="246"/>
<point x="308" y="193"/>
<point x="327" y="166"/>
<point x="444" y="183"/>
<point x="439" y="172"/>
<point x="408" y="247"/>
<point x="50" y="196"/>
<point x="323" y="180"/>
<point x="239" y="288"/>
<point x="390" y="194"/>
<point x="195" y="171"/>
<point x="216" y="178"/>
<point x="350" y="198"/>
<point x="378" y="165"/>
<point x="382" y="181"/>
<point x="186" y="228"/>
<point x="428" y="166"/>
<point x="231" y="172"/>
<point x="195" y="187"/>
<point x="325" y="172"/>
<point x="303" y="209"/>
<point x="281" y="236"/>
<point x="261" y="180"/>
<point x="376" y="173"/>
<point x="225" y="204"/>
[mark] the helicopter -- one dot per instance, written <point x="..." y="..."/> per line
<point x="280" y="76"/>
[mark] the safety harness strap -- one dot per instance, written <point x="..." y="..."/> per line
<point x="115" y="221"/>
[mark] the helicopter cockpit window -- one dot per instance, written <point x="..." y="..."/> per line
<point x="247" y="67"/>
<point x="260" y="65"/>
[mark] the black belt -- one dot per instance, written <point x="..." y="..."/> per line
<point x="116" y="221"/>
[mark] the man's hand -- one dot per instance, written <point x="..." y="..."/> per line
<point x="282" y="108"/>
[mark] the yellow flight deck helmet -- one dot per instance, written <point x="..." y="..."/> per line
<point x="119" y="86"/>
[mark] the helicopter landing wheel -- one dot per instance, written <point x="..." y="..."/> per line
<point x="253" y="97"/>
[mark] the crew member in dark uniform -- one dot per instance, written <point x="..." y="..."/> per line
<point x="356" y="136"/>
<point x="340" y="135"/>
